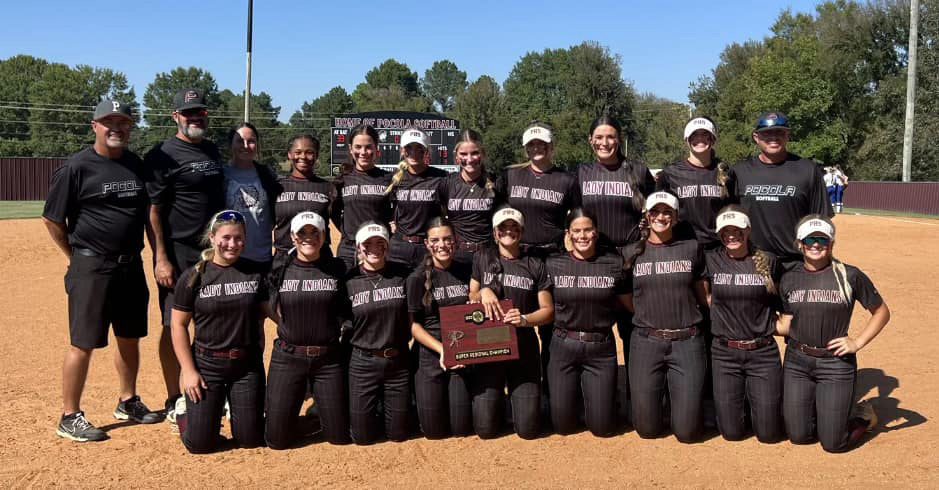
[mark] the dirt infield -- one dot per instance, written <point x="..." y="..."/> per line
<point x="899" y="372"/>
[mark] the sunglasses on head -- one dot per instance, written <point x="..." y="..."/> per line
<point x="230" y="216"/>
<point x="812" y="240"/>
<point x="772" y="122"/>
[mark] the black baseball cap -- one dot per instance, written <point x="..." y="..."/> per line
<point x="189" y="98"/>
<point x="771" y="120"/>
<point x="111" y="107"/>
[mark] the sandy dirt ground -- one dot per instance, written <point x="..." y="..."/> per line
<point x="899" y="372"/>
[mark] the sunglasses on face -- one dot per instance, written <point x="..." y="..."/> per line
<point x="190" y="113"/>
<point x="812" y="240"/>
<point x="230" y="216"/>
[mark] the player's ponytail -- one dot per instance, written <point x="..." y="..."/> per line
<point x="436" y="222"/>
<point x="841" y="277"/>
<point x="637" y="248"/>
<point x="398" y="176"/>
<point x="722" y="177"/>
<point x="761" y="264"/>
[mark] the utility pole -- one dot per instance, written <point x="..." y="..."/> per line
<point x="248" y="61"/>
<point x="910" y="92"/>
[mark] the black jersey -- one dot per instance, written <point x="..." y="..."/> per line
<point x="820" y="313"/>
<point x="543" y="198"/>
<point x="188" y="184"/>
<point x="312" y="301"/>
<point x="663" y="279"/>
<point x="360" y="197"/>
<point x="299" y="195"/>
<point x="605" y="193"/>
<point x="586" y="291"/>
<point x="101" y="201"/>
<point x="469" y="208"/>
<point x="741" y="307"/>
<point x="699" y="196"/>
<point x="521" y="280"/>
<point x="448" y="288"/>
<point x="416" y="199"/>
<point x="776" y="197"/>
<point x="379" y="307"/>
<point x="225" y="304"/>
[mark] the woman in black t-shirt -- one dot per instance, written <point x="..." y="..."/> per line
<point x="303" y="190"/>
<point x="443" y="397"/>
<point x="309" y="295"/>
<point x="379" y="366"/>
<point x="227" y="299"/>
<point x="666" y="350"/>
<point x="744" y="356"/>
<point x="503" y="271"/>
<point x="469" y="196"/>
<point x="589" y="290"/>
<point x="820" y="368"/>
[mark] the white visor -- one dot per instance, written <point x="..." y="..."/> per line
<point x="815" y="226"/>
<point x="700" y="123"/>
<point x="732" y="218"/>
<point x="506" y="214"/>
<point x="307" y="218"/>
<point x="536" y="133"/>
<point x="368" y="231"/>
<point x="414" y="136"/>
<point x="661" y="197"/>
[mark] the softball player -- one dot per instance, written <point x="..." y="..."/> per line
<point x="379" y="366"/>
<point x="302" y="191"/>
<point x="745" y="362"/>
<point x="415" y="195"/>
<point x="360" y="192"/>
<point x="444" y="402"/>
<point x="310" y="297"/>
<point x="504" y="271"/>
<point x="667" y="349"/>
<point x="589" y="288"/>
<point x="227" y="299"/>
<point x="820" y="368"/>
<point x="469" y="196"/>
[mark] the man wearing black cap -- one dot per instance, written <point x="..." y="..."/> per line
<point x="777" y="188"/>
<point x="96" y="213"/>
<point x="186" y="190"/>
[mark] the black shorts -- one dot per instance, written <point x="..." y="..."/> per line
<point x="182" y="257"/>
<point x="102" y="292"/>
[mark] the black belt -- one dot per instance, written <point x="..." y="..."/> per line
<point x="238" y="353"/>
<point x="751" y="344"/>
<point x="388" y="353"/>
<point x="810" y="350"/>
<point x="303" y="350"/>
<point x="668" y="333"/>
<point x="119" y="258"/>
<point x="592" y="337"/>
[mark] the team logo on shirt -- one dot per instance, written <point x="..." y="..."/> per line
<point x="469" y="204"/>
<point x="450" y="291"/>
<point x="588" y="282"/>
<point x="228" y="289"/>
<point x="606" y="188"/>
<point x="207" y="167"/>
<point x="125" y="188"/>
<point x="524" y="192"/>
<point x="290" y="285"/>
<point x="422" y="195"/>
<point x="725" y="279"/>
<point x="816" y="296"/>
<point x="376" y="295"/>
<point x="664" y="267"/>
<point x="288" y="196"/>
<point x="701" y="190"/>
<point x="766" y="192"/>
<point x="363" y="190"/>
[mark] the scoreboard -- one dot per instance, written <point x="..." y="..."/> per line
<point x="442" y="131"/>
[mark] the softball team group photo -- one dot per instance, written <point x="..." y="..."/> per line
<point x="700" y="269"/>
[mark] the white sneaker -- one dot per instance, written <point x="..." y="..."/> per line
<point x="178" y="409"/>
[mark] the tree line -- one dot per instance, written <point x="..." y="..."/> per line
<point x="840" y="75"/>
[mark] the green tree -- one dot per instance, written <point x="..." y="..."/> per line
<point x="17" y="74"/>
<point x="158" y="100"/>
<point x="660" y="125"/>
<point x="391" y="86"/>
<point x="443" y="83"/>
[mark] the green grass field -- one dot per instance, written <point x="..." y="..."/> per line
<point x="20" y="209"/>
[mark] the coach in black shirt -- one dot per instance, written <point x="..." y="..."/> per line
<point x="96" y="212"/>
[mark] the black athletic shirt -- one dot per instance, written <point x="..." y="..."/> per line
<point x="819" y="311"/>
<point x="699" y="197"/>
<point x="360" y="197"/>
<point x="542" y="198"/>
<point x="741" y="307"/>
<point x="663" y="280"/>
<point x="469" y="208"/>
<point x="299" y="195"/>
<point x="101" y="201"/>
<point x="776" y="197"/>
<point x="520" y="281"/>
<point x="605" y="193"/>
<point x="225" y="304"/>
<point x="379" y="307"/>
<point x="586" y="291"/>
<point x="189" y="186"/>
<point x="416" y="199"/>
<point x="449" y="288"/>
<point x="312" y="301"/>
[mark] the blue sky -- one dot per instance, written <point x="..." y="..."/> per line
<point x="304" y="48"/>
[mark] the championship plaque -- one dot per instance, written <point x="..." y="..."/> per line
<point x="469" y="338"/>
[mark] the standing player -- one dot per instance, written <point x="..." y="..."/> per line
<point x="666" y="349"/>
<point x="469" y="196"/>
<point x="820" y="369"/>
<point x="744" y="357"/>
<point x="589" y="288"/>
<point x="360" y="192"/>
<point x="96" y="213"/>
<point x="841" y="183"/>
<point x="415" y="195"/>
<point x="309" y="295"/>
<point x="186" y="190"/>
<point x="302" y="191"/>
<point x="777" y="188"/>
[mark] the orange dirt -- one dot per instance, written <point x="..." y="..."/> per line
<point x="898" y="372"/>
